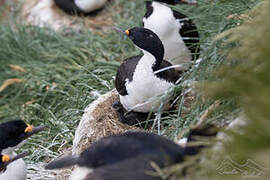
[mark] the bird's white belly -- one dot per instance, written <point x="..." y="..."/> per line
<point x="145" y="88"/>
<point x="90" y="5"/>
<point x="176" y="51"/>
<point x="15" y="171"/>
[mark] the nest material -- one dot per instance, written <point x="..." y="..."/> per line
<point x="46" y="13"/>
<point x="99" y="120"/>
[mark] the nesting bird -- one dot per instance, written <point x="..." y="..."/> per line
<point x="80" y="6"/>
<point x="125" y="156"/>
<point x="177" y="32"/>
<point x="12" y="136"/>
<point x="138" y="80"/>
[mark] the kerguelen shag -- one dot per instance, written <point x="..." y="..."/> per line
<point x="138" y="81"/>
<point x="12" y="136"/>
<point x="177" y="32"/>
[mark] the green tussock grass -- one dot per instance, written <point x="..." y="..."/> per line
<point x="66" y="71"/>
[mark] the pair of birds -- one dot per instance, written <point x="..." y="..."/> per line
<point x="167" y="34"/>
<point x="168" y="38"/>
<point x="13" y="135"/>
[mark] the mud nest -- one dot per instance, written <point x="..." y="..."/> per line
<point x="99" y="120"/>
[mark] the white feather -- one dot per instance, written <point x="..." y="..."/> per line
<point x="144" y="86"/>
<point x="90" y="5"/>
<point x="163" y="23"/>
<point x="80" y="173"/>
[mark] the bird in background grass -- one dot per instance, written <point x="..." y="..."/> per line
<point x="12" y="136"/>
<point x="179" y="35"/>
<point x="78" y="7"/>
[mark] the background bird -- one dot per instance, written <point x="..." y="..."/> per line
<point x="80" y="6"/>
<point x="177" y="32"/>
<point x="12" y="136"/>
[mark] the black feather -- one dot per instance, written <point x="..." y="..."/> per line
<point x="125" y="71"/>
<point x="63" y="162"/>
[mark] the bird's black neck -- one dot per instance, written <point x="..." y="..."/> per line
<point x="159" y="58"/>
<point x="158" y="53"/>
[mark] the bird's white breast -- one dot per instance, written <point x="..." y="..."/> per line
<point x="80" y="173"/>
<point x="144" y="89"/>
<point x="15" y="171"/>
<point x="163" y="23"/>
<point x="90" y="5"/>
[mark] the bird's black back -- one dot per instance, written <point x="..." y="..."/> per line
<point x="113" y="149"/>
<point x="136" y="168"/>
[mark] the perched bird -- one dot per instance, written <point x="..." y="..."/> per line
<point x="13" y="172"/>
<point x="139" y="79"/>
<point x="12" y="135"/>
<point x="80" y="6"/>
<point x="177" y="32"/>
<point x="125" y="156"/>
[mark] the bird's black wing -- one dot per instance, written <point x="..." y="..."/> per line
<point x="135" y="168"/>
<point x="169" y="75"/>
<point x="149" y="9"/>
<point x="68" y="6"/>
<point x="159" y="144"/>
<point x="189" y="33"/>
<point x="125" y="71"/>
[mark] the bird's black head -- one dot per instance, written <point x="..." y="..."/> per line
<point x="5" y="160"/>
<point x="174" y="2"/>
<point x="13" y="133"/>
<point x="146" y="40"/>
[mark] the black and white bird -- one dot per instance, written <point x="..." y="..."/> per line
<point x="12" y="136"/>
<point x="14" y="172"/>
<point x="138" y="80"/>
<point x="177" y="32"/>
<point x="80" y="6"/>
<point x="125" y="156"/>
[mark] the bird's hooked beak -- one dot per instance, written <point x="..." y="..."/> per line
<point x="190" y="2"/>
<point x="126" y="32"/>
<point x="30" y="130"/>
<point x="7" y="160"/>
